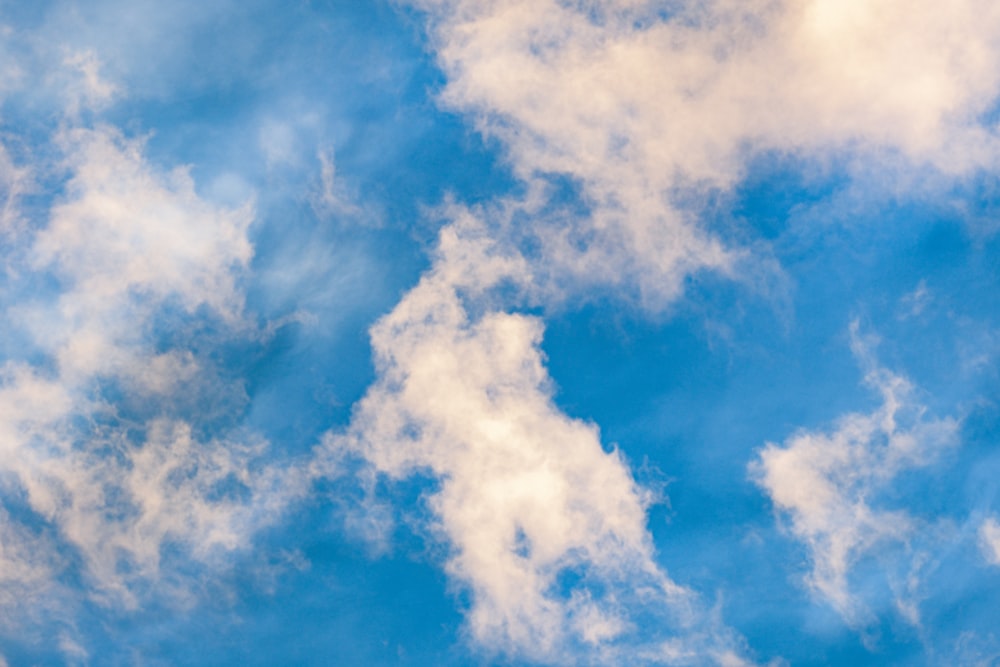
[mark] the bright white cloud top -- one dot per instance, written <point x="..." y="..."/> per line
<point x="499" y="332"/>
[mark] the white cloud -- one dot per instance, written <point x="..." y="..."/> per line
<point x="828" y="483"/>
<point x="645" y="107"/>
<point x="129" y="244"/>
<point x="645" y="104"/>
<point x="72" y="650"/>
<point x="127" y="241"/>
<point x="684" y="94"/>
<point x="333" y="196"/>
<point x="121" y="504"/>
<point x="528" y="496"/>
<point x="989" y="539"/>
<point x="643" y="114"/>
<point x="45" y="69"/>
<point x="87" y="88"/>
<point x="125" y="229"/>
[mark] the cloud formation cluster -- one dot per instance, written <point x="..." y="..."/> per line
<point x="97" y="445"/>
<point x="643" y="108"/>
<point x="620" y="118"/>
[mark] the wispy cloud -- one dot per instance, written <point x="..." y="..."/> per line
<point x="120" y="484"/>
<point x="15" y="182"/>
<point x="989" y="535"/>
<point x="828" y="483"/>
<point x="88" y="89"/>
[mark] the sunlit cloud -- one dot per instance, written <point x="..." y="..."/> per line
<point x="827" y="483"/>
<point x="354" y="329"/>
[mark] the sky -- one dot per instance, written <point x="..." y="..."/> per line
<point x="500" y="332"/>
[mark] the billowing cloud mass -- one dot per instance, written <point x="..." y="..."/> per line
<point x="544" y="298"/>
<point x="529" y="500"/>
<point x="647" y="106"/>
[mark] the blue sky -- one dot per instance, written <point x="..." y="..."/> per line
<point x="453" y="332"/>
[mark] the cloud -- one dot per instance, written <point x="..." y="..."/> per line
<point x="50" y="73"/>
<point x="185" y="248"/>
<point x="88" y="89"/>
<point x="119" y="34"/>
<point x="685" y="87"/>
<point x="123" y="506"/>
<point x="74" y="653"/>
<point x="914" y="303"/>
<point x="620" y="118"/>
<point x="332" y="197"/>
<point x="15" y="182"/>
<point x="95" y="436"/>
<point x="989" y="538"/>
<point x="828" y="484"/>
<point x="27" y="568"/>
<point x="649" y="106"/>
<point x="546" y="528"/>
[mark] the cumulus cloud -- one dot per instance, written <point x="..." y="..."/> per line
<point x="546" y="527"/>
<point x="828" y="483"/>
<point x="186" y="248"/>
<point x="645" y="104"/>
<point x="131" y="250"/>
